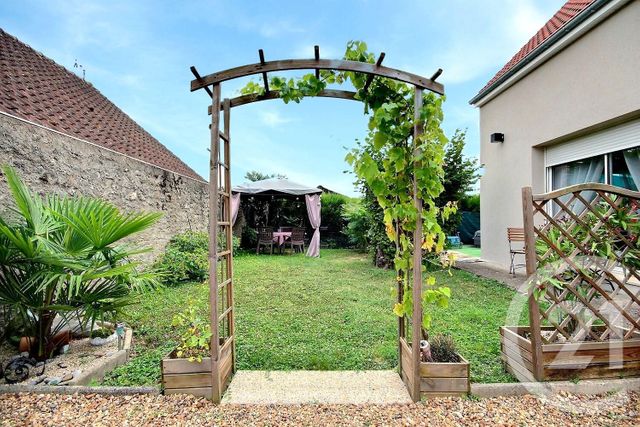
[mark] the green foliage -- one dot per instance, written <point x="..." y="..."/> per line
<point x="64" y="257"/>
<point x="195" y="334"/>
<point x="254" y="175"/>
<point x="333" y="218"/>
<point x="460" y="175"/>
<point x="357" y="224"/>
<point x="443" y="349"/>
<point x="186" y="258"/>
<point x="470" y="203"/>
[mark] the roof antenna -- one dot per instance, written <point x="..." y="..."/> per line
<point x="76" y="65"/>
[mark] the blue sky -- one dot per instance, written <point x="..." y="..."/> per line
<point x="138" y="53"/>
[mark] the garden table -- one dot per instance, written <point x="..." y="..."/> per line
<point x="281" y="236"/>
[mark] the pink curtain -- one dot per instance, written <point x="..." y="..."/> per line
<point x="313" y="209"/>
<point x="235" y="205"/>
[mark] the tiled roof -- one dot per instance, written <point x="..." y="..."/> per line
<point x="567" y="12"/>
<point x="35" y="88"/>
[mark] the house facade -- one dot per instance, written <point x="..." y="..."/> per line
<point x="567" y="107"/>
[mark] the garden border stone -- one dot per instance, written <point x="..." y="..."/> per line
<point x="97" y="372"/>
<point x="554" y="387"/>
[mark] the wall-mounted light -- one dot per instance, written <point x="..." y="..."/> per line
<point x="497" y="137"/>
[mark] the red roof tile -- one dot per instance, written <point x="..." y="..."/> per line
<point x="567" y="12"/>
<point x="35" y="88"/>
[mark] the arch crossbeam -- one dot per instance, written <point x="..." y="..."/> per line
<point x="317" y="64"/>
<point x="275" y="94"/>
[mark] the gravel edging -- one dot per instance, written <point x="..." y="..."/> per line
<point x="68" y="389"/>
<point x="583" y="387"/>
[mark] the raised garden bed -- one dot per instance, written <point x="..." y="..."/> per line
<point x="436" y="379"/>
<point x="565" y="361"/>
<point x="180" y="376"/>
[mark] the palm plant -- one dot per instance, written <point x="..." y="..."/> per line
<point x="62" y="257"/>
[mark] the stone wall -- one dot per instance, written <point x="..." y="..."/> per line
<point x="50" y="162"/>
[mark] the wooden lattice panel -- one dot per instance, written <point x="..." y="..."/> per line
<point x="582" y="244"/>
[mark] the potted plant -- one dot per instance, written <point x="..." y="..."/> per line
<point x="187" y="369"/>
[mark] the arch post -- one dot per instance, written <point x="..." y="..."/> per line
<point x="416" y="327"/>
<point x="213" y="241"/>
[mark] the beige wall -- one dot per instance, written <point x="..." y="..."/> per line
<point x="50" y="162"/>
<point x="592" y="81"/>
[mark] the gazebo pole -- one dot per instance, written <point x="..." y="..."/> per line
<point x="416" y="331"/>
<point x="213" y="241"/>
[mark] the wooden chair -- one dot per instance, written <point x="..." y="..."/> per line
<point x="515" y="235"/>
<point x="265" y="238"/>
<point x="297" y="239"/>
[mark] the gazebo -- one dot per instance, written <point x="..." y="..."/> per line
<point x="283" y="188"/>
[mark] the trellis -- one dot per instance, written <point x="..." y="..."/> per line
<point x="222" y="361"/>
<point x="582" y="257"/>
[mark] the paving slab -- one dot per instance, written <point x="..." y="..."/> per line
<point x="317" y="387"/>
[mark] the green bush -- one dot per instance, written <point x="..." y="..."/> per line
<point x="357" y="224"/>
<point x="333" y="220"/>
<point x="186" y="258"/>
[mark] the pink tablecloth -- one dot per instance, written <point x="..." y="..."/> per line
<point x="279" y="237"/>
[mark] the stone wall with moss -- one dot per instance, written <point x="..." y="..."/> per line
<point x="50" y="162"/>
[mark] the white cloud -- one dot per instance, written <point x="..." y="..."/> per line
<point x="273" y="118"/>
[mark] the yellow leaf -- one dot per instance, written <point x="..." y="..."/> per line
<point x="398" y="309"/>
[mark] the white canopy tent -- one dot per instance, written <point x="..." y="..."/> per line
<point x="284" y="188"/>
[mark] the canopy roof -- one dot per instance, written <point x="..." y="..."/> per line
<point x="275" y="186"/>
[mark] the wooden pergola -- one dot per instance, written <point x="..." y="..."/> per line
<point x="220" y="228"/>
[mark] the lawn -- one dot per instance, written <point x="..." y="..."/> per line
<point x="331" y="313"/>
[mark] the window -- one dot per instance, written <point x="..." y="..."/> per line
<point x="625" y="168"/>
<point x="620" y="168"/>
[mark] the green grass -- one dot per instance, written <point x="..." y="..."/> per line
<point x="331" y="313"/>
<point x="469" y="250"/>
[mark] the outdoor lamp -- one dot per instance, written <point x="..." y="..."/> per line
<point x="497" y="137"/>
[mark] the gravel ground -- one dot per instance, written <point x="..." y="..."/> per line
<point x="143" y="410"/>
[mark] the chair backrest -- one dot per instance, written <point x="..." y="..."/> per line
<point x="286" y="229"/>
<point x="297" y="235"/>
<point x="515" y="234"/>
<point x="265" y="234"/>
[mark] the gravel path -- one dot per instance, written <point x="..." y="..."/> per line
<point x="331" y="387"/>
<point x="142" y="410"/>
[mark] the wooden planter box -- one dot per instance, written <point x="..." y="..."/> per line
<point x="179" y="376"/>
<point x="565" y="361"/>
<point x="437" y="379"/>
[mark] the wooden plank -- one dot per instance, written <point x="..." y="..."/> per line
<point x="183" y="366"/>
<point x="613" y="345"/>
<point x="370" y="77"/>
<point x="628" y="369"/>
<point x="518" y="356"/>
<point x="586" y="187"/>
<point x="316" y="54"/>
<point x="516" y="369"/>
<point x="509" y="335"/>
<point x="596" y="355"/>
<point x="430" y="395"/>
<point x="312" y="64"/>
<point x="205" y="392"/>
<point x="443" y="370"/>
<point x="265" y="79"/>
<point x="213" y="241"/>
<point x="531" y="267"/>
<point x="516" y="349"/>
<point x="440" y="385"/>
<point x="416" y="331"/>
<point x="275" y="94"/>
<point x="202" y="379"/>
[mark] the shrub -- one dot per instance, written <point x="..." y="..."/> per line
<point x="357" y="224"/>
<point x="63" y="257"/>
<point x="443" y="349"/>
<point x="186" y="258"/>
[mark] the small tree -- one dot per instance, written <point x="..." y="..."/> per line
<point x="255" y="175"/>
<point x="460" y="175"/>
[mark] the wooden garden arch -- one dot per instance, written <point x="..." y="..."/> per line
<point x="220" y="227"/>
